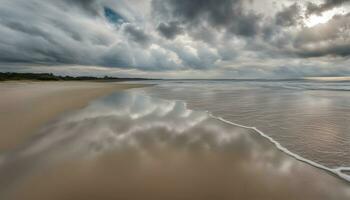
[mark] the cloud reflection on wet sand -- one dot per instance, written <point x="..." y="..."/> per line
<point x="130" y="146"/>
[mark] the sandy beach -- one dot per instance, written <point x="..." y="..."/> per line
<point x="25" y="106"/>
<point x="130" y="146"/>
<point x="65" y="143"/>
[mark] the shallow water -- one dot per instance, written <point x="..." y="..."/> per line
<point x="131" y="146"/>
<point x="310" y="118"/>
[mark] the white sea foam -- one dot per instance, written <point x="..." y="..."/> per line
<point x="337" y="171"/>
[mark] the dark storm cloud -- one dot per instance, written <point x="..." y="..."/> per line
<point x="170" y="30"/>
<point x="72" y="32"/>
<point x="313" y="8"/>
<point x="167" y="35"/>
<point x="137" y="35"/>
<point x="226" y="15"/>
<point x="289" y="16"/>
<point x="332" y="50"/>
<point x="26" y="28"/>
<point x="118" y="56"/>
<point x="34" y="32"/>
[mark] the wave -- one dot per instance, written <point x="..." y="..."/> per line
<point x="339" y="171"/>
<point x="321" y="86"/>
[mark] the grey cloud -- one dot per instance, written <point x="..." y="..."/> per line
<point x="117" y="56"/>
<point x="174" y="35"/>
<point x="89" y="6"/>
<point x="313" y="8"/>
<point x="170" y="30"/>
<point x="55" y="37"/>
<point x="226" y="15"/>
<point x="29" y="30"/>
<point x="137" y="34"/>
<point x="203" y="59"/>
<point x="246" y="25"/>
<point x="330" y="49"/>
<point x="331" y="38"/>
<point x="49" y="37"/>
<point x="132" y="55"/>
<point x="289" y="16"/>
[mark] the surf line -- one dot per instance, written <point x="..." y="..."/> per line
<point x="337" y="171"/>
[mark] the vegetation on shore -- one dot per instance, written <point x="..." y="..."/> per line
<point x="11" y="76"/>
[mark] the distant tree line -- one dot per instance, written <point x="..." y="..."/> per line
<point x="10" y="76"/>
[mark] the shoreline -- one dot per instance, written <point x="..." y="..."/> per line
<point x="159" y="162"/>
<point x="193" y="143"/>
<point x="27" y="105"/>
<point x="336" y="172"/>
<point x="341" y="173"/>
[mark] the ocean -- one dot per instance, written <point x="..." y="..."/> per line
<point x="310" y="118"/>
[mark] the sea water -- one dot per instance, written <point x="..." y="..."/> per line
<point x="309" y="118"/>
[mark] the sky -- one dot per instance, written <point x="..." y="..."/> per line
<point x="176" y="38"/>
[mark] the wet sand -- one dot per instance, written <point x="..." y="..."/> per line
<point x="313" y="122"/>
<point x="130" y="146"/>
<point x="25" y="106"/>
